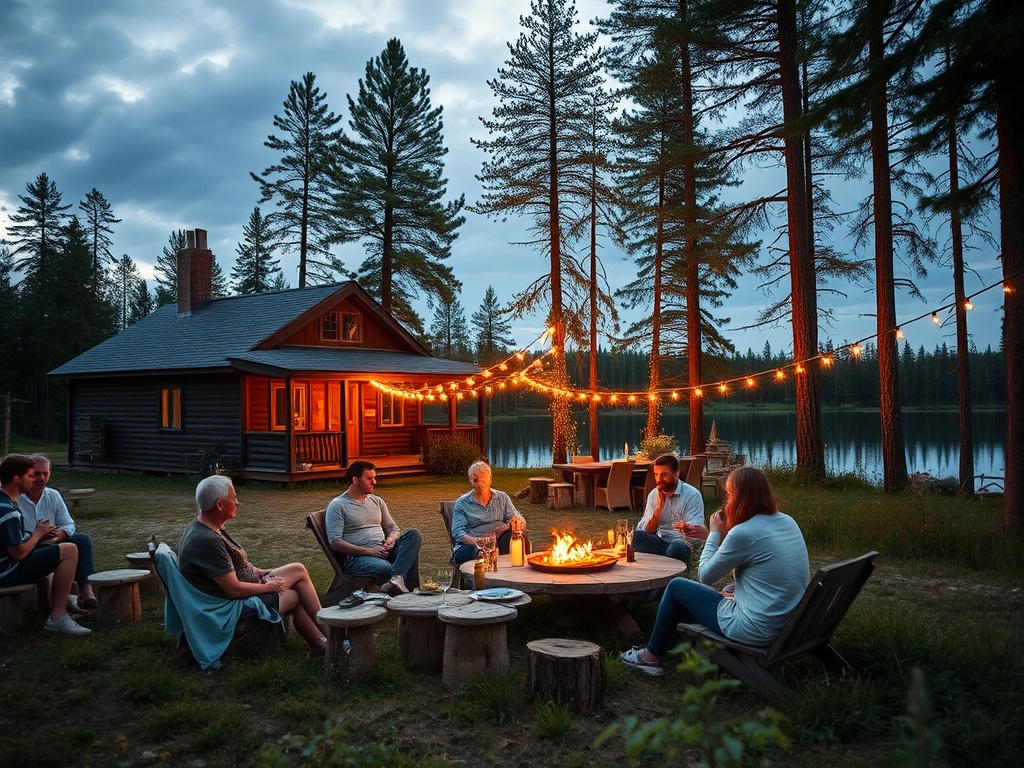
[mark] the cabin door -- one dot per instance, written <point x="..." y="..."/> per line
<point x="353" y="417"/>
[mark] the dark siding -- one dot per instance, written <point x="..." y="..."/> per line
<point x="267" y="452"/>
<point x="129" y="408"/>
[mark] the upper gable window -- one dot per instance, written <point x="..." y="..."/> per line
<point x="341" y="326"/>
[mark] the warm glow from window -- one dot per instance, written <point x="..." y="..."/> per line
<point x="170" y="407"/>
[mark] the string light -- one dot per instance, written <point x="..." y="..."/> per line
<point x="935" y="318"/>
<point x="969" y="306"/>
<point x="899" y="333"/>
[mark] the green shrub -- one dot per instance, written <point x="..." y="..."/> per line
<point x="553" y="720"/>
<point x="653" y="447"/>
<point x="451" y="456"/>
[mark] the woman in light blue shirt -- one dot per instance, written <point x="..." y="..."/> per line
<point x="765" y="548"/>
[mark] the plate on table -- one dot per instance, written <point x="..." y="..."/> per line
<point x="497" y="594"/>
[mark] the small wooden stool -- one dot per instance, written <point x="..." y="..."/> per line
<point x="143" y="562"/>
<point x="117" y="595"/>
<point x="359" y="623"/>
<point x="557" y="492"/>
<point x="566" y="672"/>
<point x="539" y="489"/>
<point x="420" y="632"/>
<point x="12" y="606"/>
<point x="475" y="642"/>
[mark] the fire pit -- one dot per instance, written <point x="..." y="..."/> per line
<point x="570" y="556"/>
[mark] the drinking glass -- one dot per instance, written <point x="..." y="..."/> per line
<point x="621" y="529"/>
<point x="444" y="583"/>
<point x="488" y="544"/>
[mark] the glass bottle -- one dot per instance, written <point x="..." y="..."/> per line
<point x="480" y="573"/>
<point x="517" y="549"/>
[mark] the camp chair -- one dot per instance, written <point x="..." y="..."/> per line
<point x="615" y="492"/>
<point x="343" y="584"/>
<point x="209" y="628"/>
<point x="809" y="630"/>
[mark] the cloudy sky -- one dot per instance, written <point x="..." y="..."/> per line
<point x="164" y="107"/>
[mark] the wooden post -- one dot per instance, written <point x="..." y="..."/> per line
<point x="566" y="671"/>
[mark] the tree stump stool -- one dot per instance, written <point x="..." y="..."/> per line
<point x="356" y="626"/>
<point x="142" y="561"/>
<point x="566" y="672"/>
<point x="561" y="492"/>
<point x="12" y="606"/>
<point x="475" y="642"/>
<point x="117" y="595"/>
<point x="539" y="489"/>
<point x="420" y="632"/>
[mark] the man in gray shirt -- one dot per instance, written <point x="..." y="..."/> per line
<point x="361" y="529"/>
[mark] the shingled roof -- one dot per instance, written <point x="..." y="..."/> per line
<point x="225" y="333"/>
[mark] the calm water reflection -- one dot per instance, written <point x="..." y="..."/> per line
<point x="852" y="440"/>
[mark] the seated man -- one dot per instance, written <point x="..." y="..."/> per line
<point x="479" y="512"/>
<point x="212" y="562"/>
<point x="24" y="559"/>
<point x="360" y="527"/>
<point x="674" y="509"/>
<point x="44" y="503"/>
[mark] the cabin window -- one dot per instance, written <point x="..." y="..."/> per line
<point x="392" y="412"/>
<point x="300" y="407"/>
<point x="170" y="407"/>
<point x="278" y="406"/>
<point x="330" y="326"/>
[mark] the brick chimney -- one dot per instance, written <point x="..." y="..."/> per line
<point x="195" y="272"/>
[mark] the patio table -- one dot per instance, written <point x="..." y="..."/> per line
<point x="590" y="471"/>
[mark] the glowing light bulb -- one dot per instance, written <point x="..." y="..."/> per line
<point x="855" y="350"/>
<point x="899" y="334"/>
<point x="935" y="318"/>
<point x="722" y="388"/>
<point x="826" y="361"/>
<point x="780" y="374"/>
<point x="968" y="305"/>
<point x="698" y="392"/>
<point x="750" y="382"/>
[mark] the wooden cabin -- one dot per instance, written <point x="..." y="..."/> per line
<point x="278" y="384"/>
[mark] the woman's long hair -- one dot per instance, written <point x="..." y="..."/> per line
<point x="750" y="493"/>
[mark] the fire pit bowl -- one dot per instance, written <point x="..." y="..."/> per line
<point x="598" y="561"/>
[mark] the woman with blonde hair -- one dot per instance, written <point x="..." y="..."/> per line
<point x="765" y="548"/>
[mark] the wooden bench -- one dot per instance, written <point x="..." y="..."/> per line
<point x="117" y="595"/>
<point x="12" y="605"/>
<point x="475" y="643"/>
<point x="826" y="600"/>
<point x="356" y="626"/>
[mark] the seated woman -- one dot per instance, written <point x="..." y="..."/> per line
<point x="214" y="564"/>
<point x="767" y="551"/>
<point x="480" y="512"/>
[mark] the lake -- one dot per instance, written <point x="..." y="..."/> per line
<point x="852" y="439"/>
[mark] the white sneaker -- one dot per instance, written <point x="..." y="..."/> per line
<point x="66" y="625"/>
<point x="399" y="582"/>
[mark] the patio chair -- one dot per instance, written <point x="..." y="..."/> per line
<point x="695" y="471"/>
<point x="826" y="600"/>
<point x="640" y="491"/>
<point x="614" y="494"/>
<point x="210" y="628"/>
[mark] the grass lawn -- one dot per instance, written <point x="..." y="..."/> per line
<point x="946" y="598"/>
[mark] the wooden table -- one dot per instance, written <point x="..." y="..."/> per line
<point x="647" y="573"/>
<point x="589" y="472"/>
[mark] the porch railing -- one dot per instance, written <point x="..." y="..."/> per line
<point x="317" y="449"/>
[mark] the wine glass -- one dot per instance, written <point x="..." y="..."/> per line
<point x="621" y="529"/>
<point x="678" y="520"/>
<point x="444" y="583"/>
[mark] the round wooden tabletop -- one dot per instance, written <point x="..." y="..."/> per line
<point x="425" y="603"/>
<point x="476" y="614"/>
<point x="358" y="616"/>
<point x="648" y="572"/>
<point x="118" y="576"/>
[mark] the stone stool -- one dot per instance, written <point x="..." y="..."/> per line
<point x="559" y="492"/>
<point x="420" y="632"/>
<point x="117" y="595"/>
<point x="475" y="642"/>
<point x="143" y="562"/>
<point x="12" y="605"/>
<point x="358" y="622"/>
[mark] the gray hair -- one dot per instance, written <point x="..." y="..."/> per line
<point x="210" y="489"/>
<point x="38" y="458"/>
<point x="477" y="467"/>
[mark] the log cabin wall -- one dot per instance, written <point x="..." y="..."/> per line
<point x="130" y="412"/>
<point x="374" y="335"/>
<point x="387" y="440"/>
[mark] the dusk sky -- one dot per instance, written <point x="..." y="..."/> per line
<point x="164" y="107"/>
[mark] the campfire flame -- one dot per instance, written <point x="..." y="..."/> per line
<point x="566" y="549"/>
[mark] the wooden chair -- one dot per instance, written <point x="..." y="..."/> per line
<point x="342" y="585"/>
<point x="809" y="630"/>
<point x="695" y="471"/>
<point x="615" y="492"/>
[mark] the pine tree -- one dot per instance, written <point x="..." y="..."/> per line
<point x="8" y="318"/>
<point x="35" y="225"/>
<point x="140" y="303"/>
<point x="535" y="150"/>
<point x="218" y="281"/>
<point x="125" y="277"/>
<point x="255" y="270"/>
<point x="300" y="183"/>
<point x="449" y="335"/>
<point x="98" y="220"/>
<point x="493" y="335"/>
<point x="391" y="187"/>
<point x="167" y="268"/>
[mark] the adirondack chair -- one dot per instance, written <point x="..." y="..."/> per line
<point x="809" y="630"/>
<point x="615" y="493"/>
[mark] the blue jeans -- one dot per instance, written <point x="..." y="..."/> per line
<point x="399" y="560"/>
<point x="684" y="601"/>
<point x="464" y="552"/>
<point x="85" y="568"/>
<point x="653" y="544"/>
